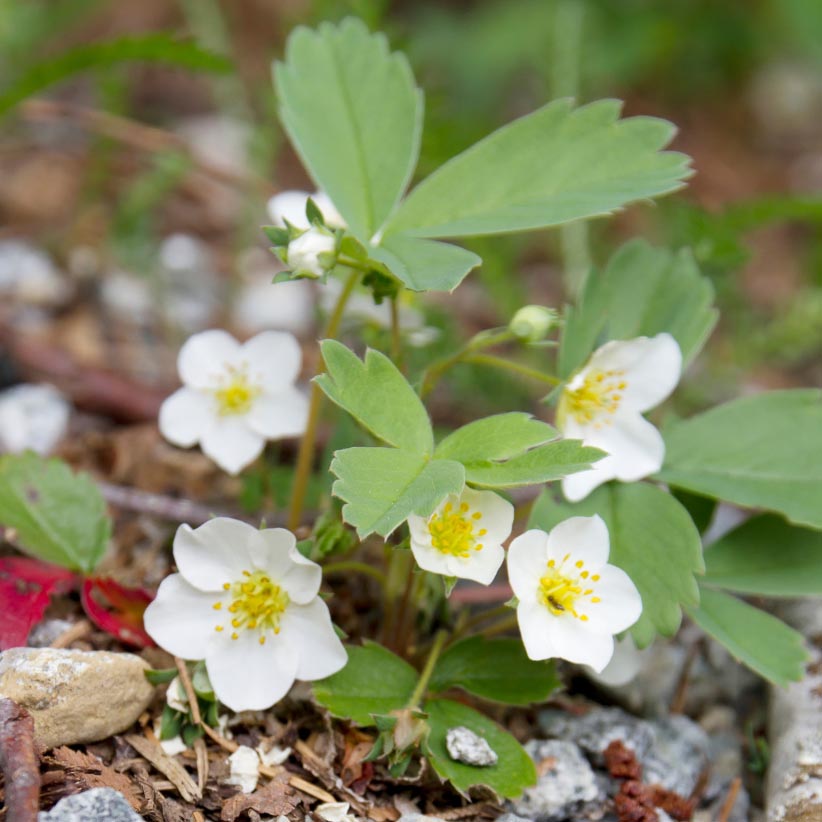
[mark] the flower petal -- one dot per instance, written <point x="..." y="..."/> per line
<point x="481" y="566"/>
<point x="576" y="487"/>
<point x="635" y="445"/>
<point x="527" y="563"/>
<point x="275" y="551"/>
<point x="289" y="205"/>
<point x="184" y="416"/>
<point x="308" y="629"/>
<point x="248" y="676"/>
<point x="215" y="553"/>
<point x="535" y="625"/>
<point x="586" y="539"/>
<point x="279" y="415"/>
<point x="202" y="358"/>
<point x="428" y="557"/>
<point x="181" y="619"/>
<point x="274" y="359"/>
<point x="497" y="514"/>
<point x="572" y="640"/>
<point x="652" y="366"/>
<point x="231" y="443"/>
<point x="620" y="604"/>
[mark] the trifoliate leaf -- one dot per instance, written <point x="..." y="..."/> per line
<point x="377" y="395"/>
<point x="763" y="451"/>
<point x="498" y="437"/>
<point x="643" y="291"/>
<point x="59" y="516"/>
<point x="653" y="539"/>
<point x="382" y="487"/>
<point x="547" y="168"/>
<point x="761" y="641"/>
<point x="354" y="114"/>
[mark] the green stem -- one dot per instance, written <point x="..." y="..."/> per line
<point x="509" y="365"/>
<point x="425" y="676"/>
<point x="466" y="625"/>
<point x="396" y="340"/>
<point x="356" y="567"/>
<point x="500" y="627"/>
<point x="305" y="455"/>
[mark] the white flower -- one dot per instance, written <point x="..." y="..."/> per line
<point x="625" y="664"/>
<point x="235" y="397"/>
<point x="290" y="205"/>
<point x="246" y="602"/>
<point x="571" y="602"/>
<point x="464" y="536"/>
<point x="34" y="417"/>
<point x="603" y="405"/>
<point x="245" y="766"/>
<point x="306" y="252"/>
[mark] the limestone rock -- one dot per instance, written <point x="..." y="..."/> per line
<point x="98" y="803"/>
<point x="75" y="696"/>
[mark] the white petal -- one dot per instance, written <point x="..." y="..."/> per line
<point x="624" y="666"/>
<point x="573" y="641"/>
<point x="429" y="558"/>
<point x="576" y="487"/>
<point x="527" y="563"/>
<point x="231" y="443"/>
<point x="620" y="604"/>
<point x="584" y="538"/>
<point x="308" y="630"/>
<point x="247" y="676"/>
<point x="481" y="566"/>
<point x="635" y="445"/>
<point x="215" y="553"/>
<point x="203" y="356"/>
<point x="535" y="624"/>
<point x="181" y="619"/>
<point x="652" y="367"/>
<point x="289" y="205"/>
<point x="184" y="416"/>
<point x="279" y="415"/>
<point x="497" y="514"/>
<point x="274" y="359"/>
<point x="275" y="551"/>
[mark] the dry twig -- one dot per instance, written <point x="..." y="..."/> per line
<point x="18" y="760"/>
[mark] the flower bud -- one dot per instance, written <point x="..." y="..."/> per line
<point x="312" y="253"/>
<point x="533" y="322"/>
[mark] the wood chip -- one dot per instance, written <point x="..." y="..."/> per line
<point x="276" y="798"/>
<point x="167" y="766"/>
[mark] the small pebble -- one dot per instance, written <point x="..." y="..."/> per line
<point x="465" y="746"/>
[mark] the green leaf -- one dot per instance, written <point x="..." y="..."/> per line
<point x="374" y="681"/>
<point x="59" y="516"/>
<point x="653" y="539"/>
<point x="354" y="115"/>
<point x="542" y="464"/>
<point x="383" y="486"/>
<point x="763" y="451"/>
<point x="767" y="556"/>
<point x="514" y="771"/>
<point x="547" y="168"/>
<point x="154" y="48"/>
<point x="757" y="639"/>
<point x="498" y="437"/>
<point x="643" y="291"/>
<point x="377" y="395"/>
<point x="425" y="265"/>
<point x="495" y="669"/>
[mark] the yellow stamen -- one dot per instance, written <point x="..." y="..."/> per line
<point x="597" y="395"/>
<point x="258" y="604"/>
<point x="236" y="393"/>
<point x="562" y="592"/>
<point x="452" y="532"/>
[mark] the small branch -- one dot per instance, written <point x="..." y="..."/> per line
<point x="425" y="676"/>
<point x="730" y="800"/>
<point x="18" y="760"/>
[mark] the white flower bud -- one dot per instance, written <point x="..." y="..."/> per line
<point x="304" y="252"/>
<point x="533" y="322"/>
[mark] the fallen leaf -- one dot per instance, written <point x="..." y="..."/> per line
<point x="276" y="798"/>
<point x="116" y="609"/>
<point x="83" y="771"/>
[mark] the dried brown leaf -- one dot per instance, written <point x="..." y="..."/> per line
<point x="84" y="771"/>
<point x="276" y="798"/>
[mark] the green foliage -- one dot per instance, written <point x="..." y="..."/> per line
<point x="763" y="451"/>
<point x="653" y="539"/>
<point x="499" y="437"/>
<point x="757" y="639"/>
<point x="374" y="681"/>
<point x="767" y="556"/>
<point x="642" y="291"/>
<point x="382" y="487"/>
<point x="155" y="48"/>
<point x="495" y="669"/>
<point x="545" y="169"/>
<point x="59" y="516"/>
<point x="354" y="114"/>
<point x="377" y="395"/>
<point x="514" y="770"/>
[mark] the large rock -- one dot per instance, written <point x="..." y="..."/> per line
<point x="98" y="803"/>
<point x="75" y="696"/>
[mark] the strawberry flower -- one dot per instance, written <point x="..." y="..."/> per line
<point x="571" y="602"/>
<point x="246" y="602"/>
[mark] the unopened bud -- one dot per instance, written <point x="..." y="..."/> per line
<point x="533" y="322"/>
<point x="312" y="253"/>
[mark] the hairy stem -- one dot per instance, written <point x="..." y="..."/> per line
<point x="515" y="367"/>
<point x="428" y="669"/>
<point x="305" y="456"/>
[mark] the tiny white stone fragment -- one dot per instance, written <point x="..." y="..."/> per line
<point x="464" y="745"/>
<point x="333" y="811"/>
<point x="275" y="756"/>
<point x="244" y="764"/>
<point x="32" y="417"/>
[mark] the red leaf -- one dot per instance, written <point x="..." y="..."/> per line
<point x="26" y="586"/>
<point x="116" y="609"/>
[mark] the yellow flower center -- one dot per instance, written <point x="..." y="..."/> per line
<point x="600" y="394"/>
<point x="454" y="531"/>
<point x="237" y="393"/>
<point x="257" y="604"/>
<point x="560" y="589"/>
